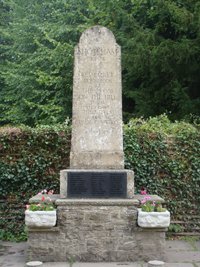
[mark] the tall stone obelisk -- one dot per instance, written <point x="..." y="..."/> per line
<point x="97" y="141"/>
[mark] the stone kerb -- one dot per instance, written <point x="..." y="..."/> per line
<point x="97" y="141"/>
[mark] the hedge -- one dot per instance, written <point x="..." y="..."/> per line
<point x="166" y="159"/>
<point x="164" y="156"/>
<point x="30" y="160"/>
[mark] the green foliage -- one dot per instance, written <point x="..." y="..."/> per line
<point x="165" y="158"/>
<point x="45" y="204"/>
<point x="71" y="261"/>
<point x="162" y="125"/>
<point x="14" y="237"/>
<point x="30" y="160"/>
<point x="148" y="205"/>
<point x="161" y="59"/>
<point x="175" y="228"/>
<point x="42" y="207"/>
<point x="38" y="76"/>
<point x="160" y="56"/>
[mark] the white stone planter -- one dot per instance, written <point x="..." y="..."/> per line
<point x="153" y="219"/>
<point x="40" y="218"/>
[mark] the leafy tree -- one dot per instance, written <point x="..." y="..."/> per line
<point x="160" y="42"/>
<point x="39" y="74"/>
<point x="161" y="71"/>
<point x="5" y="41"/>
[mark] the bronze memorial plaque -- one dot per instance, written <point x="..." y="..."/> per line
<point x="97" y="184"/>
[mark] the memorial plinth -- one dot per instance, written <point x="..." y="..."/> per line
<point x="96" y="230"/>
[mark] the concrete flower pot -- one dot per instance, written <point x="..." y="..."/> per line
<point x="153" y="219"/>
<point x="40" y="218"/>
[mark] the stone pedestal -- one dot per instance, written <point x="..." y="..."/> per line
<point x="96" y="230"/>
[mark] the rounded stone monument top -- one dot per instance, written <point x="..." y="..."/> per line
<point x="96" y="34"/>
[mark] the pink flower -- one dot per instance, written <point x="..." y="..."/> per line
<point x="143" y="192"/>
<point x="27" y="206"/>
<point x="38" y="205"/>
<point x="43" y="198"/>
<point x="143" y="201"/>
<point x="147" y="198"/>
<point x="50" y="192"/>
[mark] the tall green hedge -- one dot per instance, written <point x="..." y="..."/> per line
<point x="165" y="157"/>
<point x="30" y="160"/>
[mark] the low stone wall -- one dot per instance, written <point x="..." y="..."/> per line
<point x="96" y="231"/>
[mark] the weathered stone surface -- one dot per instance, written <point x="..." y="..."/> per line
<point x="40" y="218"/>
<point x="96" y="232"/>
<point x="103" y="203"/>
<point x="64" y="178"/>
<point x="153" y="219"/>
<point x="37" y="198"/>
<point x="151" y="243"/>
<point x="179" y="245"/>
<point x="97" y="105"/>
<point x="187" y="256"/>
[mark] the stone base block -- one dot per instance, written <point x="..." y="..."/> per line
<point x="96" y="230"/>
<point x="64" y="179"/>
<point x="98" y="160"/>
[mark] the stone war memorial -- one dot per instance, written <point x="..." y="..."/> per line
<point x="96" y="207"/>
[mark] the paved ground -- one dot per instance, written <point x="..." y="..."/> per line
<point x="178" y="254"/>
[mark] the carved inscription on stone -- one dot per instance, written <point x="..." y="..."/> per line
<point x="97" y="104"/>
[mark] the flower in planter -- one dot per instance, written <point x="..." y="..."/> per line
<point x="149" y="206"/>
<point x="42" y="214"/>
<point x="143" y="191"/>
<point x="45" y="203"/>
<point x="152" y="214"/>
